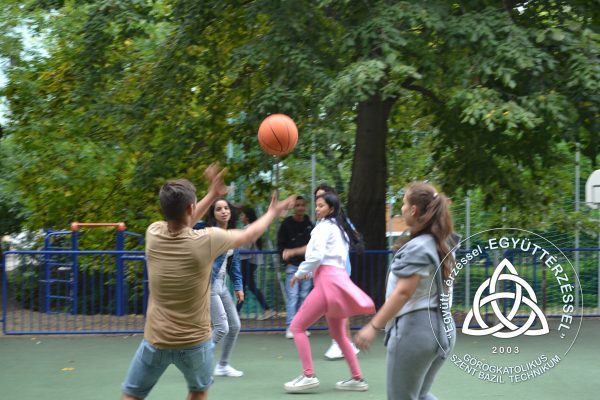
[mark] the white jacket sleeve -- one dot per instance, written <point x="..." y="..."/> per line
<point x="315" y="250"/>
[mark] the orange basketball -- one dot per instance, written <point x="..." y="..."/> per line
<point x="277" y="134"/>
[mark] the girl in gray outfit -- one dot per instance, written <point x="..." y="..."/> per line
<point x="416" y="339"/>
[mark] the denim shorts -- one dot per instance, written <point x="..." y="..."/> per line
<point x="149" y="363"/>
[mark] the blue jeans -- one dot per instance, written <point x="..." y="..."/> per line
<point x="295" y="295"/>
<point x="225" y="318"/>
<point x="149" y="363"/>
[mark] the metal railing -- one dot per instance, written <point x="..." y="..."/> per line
<point x="68" y="291"/>
<point x="89" y="292"/>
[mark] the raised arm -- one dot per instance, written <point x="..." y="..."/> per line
<point x="216" y="189"/>
<point x="258" y="227"/>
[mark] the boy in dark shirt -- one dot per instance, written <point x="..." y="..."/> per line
<point x="293" y="236"/>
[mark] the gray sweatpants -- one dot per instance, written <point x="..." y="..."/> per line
<point x="224" y="316"/>
<point x="412" y="356"/>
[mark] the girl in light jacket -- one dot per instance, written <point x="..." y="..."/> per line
<point x="223" y="313"/>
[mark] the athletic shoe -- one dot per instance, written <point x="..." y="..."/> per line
<point x="227" y="370"/>
<point x="290" y="335"/>
<point x="301" y="384"/>
<point x="356" y="385"/>
<point x="266" y="315"/>
<point x="335" y="353"/>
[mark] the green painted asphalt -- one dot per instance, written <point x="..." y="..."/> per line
<point x="92" y="367"/>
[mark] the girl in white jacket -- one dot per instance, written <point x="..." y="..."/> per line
<point x="334" y="294"/>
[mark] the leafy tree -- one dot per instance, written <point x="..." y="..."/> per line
<point x="475" y="95"/>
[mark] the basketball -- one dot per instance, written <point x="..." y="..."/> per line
<point x="277" y="135"/>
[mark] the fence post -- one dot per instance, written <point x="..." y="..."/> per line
<point x="3" y="283"/>
<point x="120" y="273"/>
<point x="74" y="271"/>
<point x="46" y="306"/>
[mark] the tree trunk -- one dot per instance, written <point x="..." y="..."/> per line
<point x="367" y="192"/>
<point x="368" y="184"/>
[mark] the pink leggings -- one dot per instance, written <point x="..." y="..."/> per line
<point x="313" y="308"/>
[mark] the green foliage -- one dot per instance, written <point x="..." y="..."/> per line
<point x="486" y="97"/>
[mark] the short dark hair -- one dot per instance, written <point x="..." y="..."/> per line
<point x="299" y="197"/>
<point x="175" y="196"/>
<point x="250" y="213"/>
<point x="326" y="188"/>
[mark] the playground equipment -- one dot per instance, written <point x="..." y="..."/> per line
<point x="61" y="270"/>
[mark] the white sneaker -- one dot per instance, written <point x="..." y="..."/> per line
<point x="335" y="353"/>
<point x="290" y="335"/>
<point x="266" y="315"/>
<point x="227" y="370"/>
<point x="356" y="385"/>
<point x="301" y="384"/>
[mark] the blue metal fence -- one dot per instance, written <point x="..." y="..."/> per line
<point x="76" y="291"/>
<point x="95" y="292"/>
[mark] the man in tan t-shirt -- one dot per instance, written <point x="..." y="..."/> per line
<point x="179" y="263"/>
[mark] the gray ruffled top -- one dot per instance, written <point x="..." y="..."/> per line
<point x="417" y="256"/>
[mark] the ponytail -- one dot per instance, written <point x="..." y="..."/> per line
<point x="433" y="218"/>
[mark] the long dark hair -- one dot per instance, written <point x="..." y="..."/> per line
<point x="433" y="217"/>
<point x="352" y="237"/>
<point x="212" y="221"/>
<point x="330" y="189"/>
<point x="251" y="214"/>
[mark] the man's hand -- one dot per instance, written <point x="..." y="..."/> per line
<point x="217" y="187"/>
<point x="280" y="206"/>
<point x="286" y="254"/>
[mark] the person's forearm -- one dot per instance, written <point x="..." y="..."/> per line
<point x="203" y="205"/>
<point x="299" y="251"/>
<point x="312" y="260"/>
<point x="404" y="290"/>
<point x="258" y="227"/>
<point x="389" y="310"/>
<point x="236" y="271"/>
<point x="307" y="267"/>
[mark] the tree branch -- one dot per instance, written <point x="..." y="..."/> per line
<point x="409" y="85"/>
<point x="509" y="7"/>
